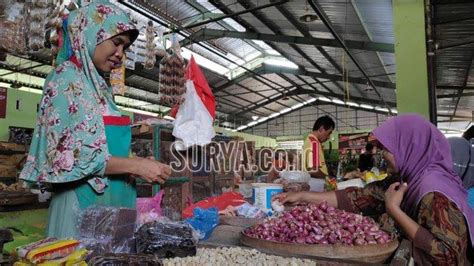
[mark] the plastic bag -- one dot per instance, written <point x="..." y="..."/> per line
<point x="295" y="176"/>
<point x="49" y="249"/>
<point x="247" y="210"/>
<point x="166" y="239"/>
<point x="193" y="124"/>
<point x="204" y="221"/>
<point x="108" y="229"/>
<point x="220" y="202"/>
<point x="149" y="209"/>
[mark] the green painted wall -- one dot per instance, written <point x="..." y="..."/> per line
<point x="24" y="117"/>
<point x="32" y="223"/>
<point x="410" y="57"/>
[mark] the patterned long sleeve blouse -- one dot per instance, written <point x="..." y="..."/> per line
<point x="443" y="237"/>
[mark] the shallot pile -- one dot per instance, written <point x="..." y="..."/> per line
<point x="319" y="224"/>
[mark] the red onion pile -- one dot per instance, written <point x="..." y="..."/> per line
<point x="319" y="224"/>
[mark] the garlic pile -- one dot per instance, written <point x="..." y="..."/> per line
<point x="234" y="256"/>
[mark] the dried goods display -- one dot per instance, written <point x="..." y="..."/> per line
<point x="150" y="46"/>
<point x="172" y="81"/>
<point x="166" y="239"/>
<point x="18" y="186"/>
<point x="39" y="12"/>
<point x="234" y="256"/>
<point x="319" y="224"/>
<point x="12" y="23"/>
<point x="124" y="259"/>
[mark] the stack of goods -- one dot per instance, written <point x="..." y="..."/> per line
<point x="150" y="46"/>
<point x="172" y="81"/>
<point x="18" y="187"/>
<point x="108" y="229"/>
<point x="124" y="259"/>
<point x="51" y="251"/>
<point x="166" y="239"/>
<point x="320" y="224"/>
<point x="12" y="158"/>
<point x="234" y="256"/>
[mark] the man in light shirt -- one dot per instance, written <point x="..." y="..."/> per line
<point x="313" y="155"/>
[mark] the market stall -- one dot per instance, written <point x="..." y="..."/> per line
<point x="149" y="132"/>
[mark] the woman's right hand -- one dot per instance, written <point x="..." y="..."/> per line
<point x="289" y="197"/>
<point x="152" y="171"/>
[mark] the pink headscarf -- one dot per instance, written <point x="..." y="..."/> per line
<point x="423" y="158"/>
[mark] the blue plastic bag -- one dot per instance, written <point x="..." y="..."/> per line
<point x="204" y="221"/>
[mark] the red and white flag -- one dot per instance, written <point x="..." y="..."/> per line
<point x="194" y="117"/>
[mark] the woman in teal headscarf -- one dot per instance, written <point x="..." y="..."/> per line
<point x="81" y="141"/>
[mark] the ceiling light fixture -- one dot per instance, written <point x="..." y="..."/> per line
<point x="308" y="17"/>
<point x="242" y="127"/>
<point x="366" y="106"/>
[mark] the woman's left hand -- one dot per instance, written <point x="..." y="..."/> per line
<point x="394" y="196"/>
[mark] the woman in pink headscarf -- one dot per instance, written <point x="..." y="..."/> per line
<point x="428" y="203"/>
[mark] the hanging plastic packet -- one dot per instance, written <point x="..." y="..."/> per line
<point x="172" y="81"/>
<point x="117" y="79"/>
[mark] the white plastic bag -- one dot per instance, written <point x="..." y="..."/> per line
<point x="193" y="124"/>
<point x="295" y="176"/>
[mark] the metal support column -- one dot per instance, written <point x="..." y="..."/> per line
<point x="410" y="55"/>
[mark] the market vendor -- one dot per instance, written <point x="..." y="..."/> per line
<point x="80" y="147"/>
<point x="365" y="163"/>
<point x="429" y="206"/>
<point x="313" y="154"/>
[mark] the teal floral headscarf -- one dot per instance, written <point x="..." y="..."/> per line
<point x="69" y="141"/>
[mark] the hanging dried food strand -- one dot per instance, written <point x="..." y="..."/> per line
<point x="171" y="80"/>
<point x="150" y="58"/>
<point x="38" y="16"/>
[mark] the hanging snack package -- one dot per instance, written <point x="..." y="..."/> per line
<point x="150" y="45"/>
<point x="172" y="81"/>
<point x="13" y="27"/>
<point x="166" y="239"/>
<point x="117" y="80"/>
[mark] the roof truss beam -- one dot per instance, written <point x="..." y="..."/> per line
<point x="269" y="69"/>
<point x="209" y="34"/>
